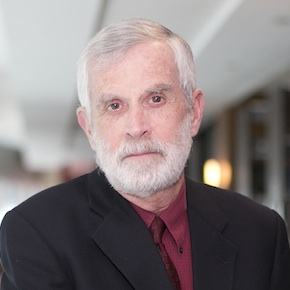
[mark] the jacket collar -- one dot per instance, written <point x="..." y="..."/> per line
<point x="214" y="256"/>
<point x="124" y="238"/>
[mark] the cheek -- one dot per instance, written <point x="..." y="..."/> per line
<point x="176" y="116"/>
<point x="168" y="126"/>
<point x="109" y="132"/>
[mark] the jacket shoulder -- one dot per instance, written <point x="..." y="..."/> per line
<point x="220" y="206"/>
<point x="226" y="200"/>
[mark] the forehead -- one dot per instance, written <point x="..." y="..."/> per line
<point x="141" y="66"/>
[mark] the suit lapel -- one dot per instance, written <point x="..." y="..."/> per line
<point x="126" y="241"/>
<point x="124" y="238"/>
<point x="213" y="255"/>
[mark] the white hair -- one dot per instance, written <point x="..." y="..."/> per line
<point x="115" y="40"/>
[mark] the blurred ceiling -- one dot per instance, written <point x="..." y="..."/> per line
<point x="240" y="46"/>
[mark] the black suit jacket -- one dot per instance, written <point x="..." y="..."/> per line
<point x="83" y="235"/>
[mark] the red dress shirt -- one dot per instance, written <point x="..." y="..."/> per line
<point x="176" y="237"/>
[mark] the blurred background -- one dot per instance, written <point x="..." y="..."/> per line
<point x="242" y="55"/>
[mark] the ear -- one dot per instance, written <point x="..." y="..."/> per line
<point x="84" y="123"/>
<point x="197" y="110"/>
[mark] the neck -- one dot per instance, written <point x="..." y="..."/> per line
<point x="158" y="201"/>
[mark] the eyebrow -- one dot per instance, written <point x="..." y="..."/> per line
<point x="159" y="88"/>
<point x="104" y="98"/>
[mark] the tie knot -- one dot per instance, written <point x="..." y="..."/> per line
<point x="157" y="228"/>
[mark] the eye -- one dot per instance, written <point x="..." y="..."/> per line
<point x="156" y="99"/>
<point x="114" y="106"/>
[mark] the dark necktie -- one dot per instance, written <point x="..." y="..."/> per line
<point x="157" y="229"/>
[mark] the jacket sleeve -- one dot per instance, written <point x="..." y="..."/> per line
<point x="281" y="264"/>
<point x="28" y="261"/>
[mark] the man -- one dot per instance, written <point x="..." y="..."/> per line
<point x="140" y="110"/>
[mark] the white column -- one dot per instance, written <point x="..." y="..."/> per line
<point x="275" y="173"/>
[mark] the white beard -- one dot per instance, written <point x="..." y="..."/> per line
<point x="145" y="177"/>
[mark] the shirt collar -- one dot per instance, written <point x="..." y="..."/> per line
<point x="175" y="216"/>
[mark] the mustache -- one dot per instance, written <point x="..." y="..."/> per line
<point x="140" y="147"/>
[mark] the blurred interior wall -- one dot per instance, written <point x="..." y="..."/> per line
<point x="254" y="136"/>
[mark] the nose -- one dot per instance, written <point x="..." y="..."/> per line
<point x="138" y="123"/>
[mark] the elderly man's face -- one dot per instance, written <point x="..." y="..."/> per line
<point x="141" y="127"/>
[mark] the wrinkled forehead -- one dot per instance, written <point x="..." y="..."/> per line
<point x="140" y="66"/>
<point x="106" y="61"/>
